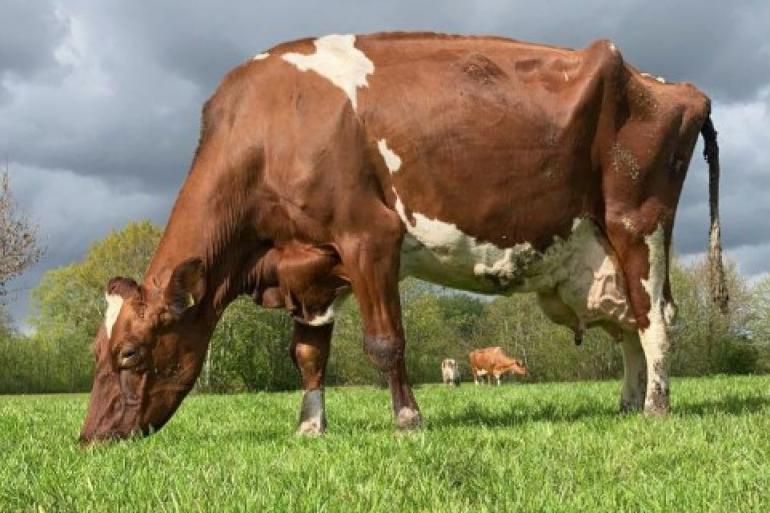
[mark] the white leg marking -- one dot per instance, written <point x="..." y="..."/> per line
<point x="114" y="304"/>
<point x="260" y="56"/>
<point x="654" y="339"/>
<point x="338" y="60"/>
<point x="312" y="415"/>
<point x="407" y="418"/>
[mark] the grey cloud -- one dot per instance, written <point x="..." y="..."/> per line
<point x="30" y="33"/>
<point x="106" y="134"/>
<point x="73" y="211"/>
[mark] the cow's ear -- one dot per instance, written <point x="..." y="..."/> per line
<point x="186" y="287"/>
<point x="120" y="286"/>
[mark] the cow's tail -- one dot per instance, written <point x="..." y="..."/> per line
<point x="717" y="283"/>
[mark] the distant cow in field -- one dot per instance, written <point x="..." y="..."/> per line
<point x="449" y="372"/>
<point x="493" y="362"/>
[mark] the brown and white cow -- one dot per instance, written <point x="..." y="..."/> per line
<point x="345" y="162"/>
<point x="450" y="373"/>
<point x="492" y="362"/>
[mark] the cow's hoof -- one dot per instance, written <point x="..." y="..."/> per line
<point x="656" y="410"/>
<point x="630" y="405"/>
<point x="408" y="419"/>
<point x="313" y="427"/>
<point x="312" y="416"/>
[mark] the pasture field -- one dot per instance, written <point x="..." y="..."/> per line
<point x="549" y="447"/>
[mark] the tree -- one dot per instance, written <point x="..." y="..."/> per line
<point x="18" y="238"/>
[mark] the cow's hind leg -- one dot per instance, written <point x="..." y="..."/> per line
<point x="310" y="352"/>
<point x="372" y="260"/>
<point x="634" y="374"/>
<point x="645" y="266"/>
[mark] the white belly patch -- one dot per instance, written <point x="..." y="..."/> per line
<point x="579" y="272"/>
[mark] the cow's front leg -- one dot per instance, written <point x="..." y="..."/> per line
<point x="372" y="262"/>
<point x="310" y="352"/>
<point x="634" y="374"/>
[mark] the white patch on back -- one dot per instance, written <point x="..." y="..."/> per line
<point x="392" y="161"/>
<point x="338" y="60"/>
<point x="654" y="77"/>
<point x="261" y="56"/>
<point x="114" y="304"/>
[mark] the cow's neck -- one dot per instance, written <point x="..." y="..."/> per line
<point x="204" y="223"/>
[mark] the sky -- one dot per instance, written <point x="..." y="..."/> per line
<point x="100" y="100"/>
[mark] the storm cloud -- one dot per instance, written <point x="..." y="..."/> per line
<point x="100" y="101"/>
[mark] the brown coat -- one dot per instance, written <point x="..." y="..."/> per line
<point x="493" y="362"/>
<point x="339" y="164"/>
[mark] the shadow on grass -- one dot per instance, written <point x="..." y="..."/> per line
<point x="732" y="404"/>
<point x="472" y="415"/>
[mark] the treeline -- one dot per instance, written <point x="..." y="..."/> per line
<point x="249" y="350"/>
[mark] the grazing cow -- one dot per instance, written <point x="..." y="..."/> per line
<point x="450" y="373"/>
<point x="343" y="163"/>
<point x="492" y="362"/>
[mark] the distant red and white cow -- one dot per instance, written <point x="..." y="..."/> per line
<point x="493" y="362"/>
<point x="450" y="373"/>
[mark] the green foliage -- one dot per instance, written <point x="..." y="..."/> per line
<point x="542" y="447"/>
<point x="69" y="306"/>
<point x="705" y="342"/>
<point x="250" y="351"/>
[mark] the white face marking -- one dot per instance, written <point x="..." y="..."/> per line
<point x="338" y="60"/>
<point x="114" y="304"/>
<point x="392" y="161"/>
<point x="261" y="56"/>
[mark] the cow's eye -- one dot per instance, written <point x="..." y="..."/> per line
<point x="130" y="356"/>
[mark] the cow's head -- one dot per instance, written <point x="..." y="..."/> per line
<point x="449" y="363"/>
<point x="148" y="353"/>
<point x="517" y="367"/>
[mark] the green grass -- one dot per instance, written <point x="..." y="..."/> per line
<point x="553" y="447"/>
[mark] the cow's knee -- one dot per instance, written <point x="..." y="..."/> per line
<point x="384" y="351"/>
